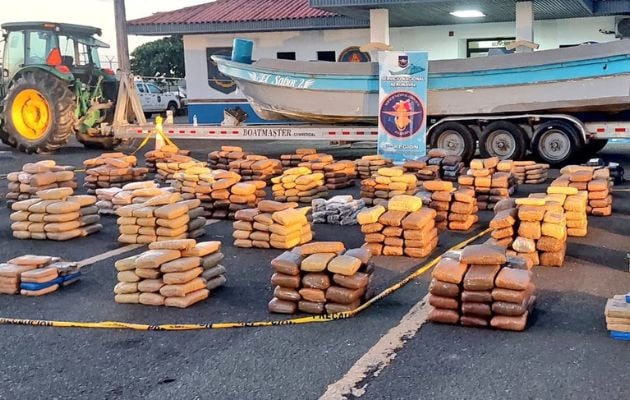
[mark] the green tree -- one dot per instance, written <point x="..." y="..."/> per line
<point x="164" y="57"/>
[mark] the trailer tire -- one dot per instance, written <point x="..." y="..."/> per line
<point x="556" y="142"/>
<point x="503" y="139"/>
<point x="454" y="137"/>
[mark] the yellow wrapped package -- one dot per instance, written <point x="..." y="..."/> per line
<point x="370" y="215"/>
<point x="577" y="232"/>
<point x="530" y="202"/>
<point x="557" y="231"/>
<point x="576" y="203"/>
<point x="398" y="186"/>
<point x="390" y="172"/>
<point x="409" y="179"/>
<point x="297" y="171"/>
<point x="405" y="203"/>
<point x="383" y="180"/>
<point x="289" y="217"/>
<point x="476" y="164"/>
<point x="562" y="190"/>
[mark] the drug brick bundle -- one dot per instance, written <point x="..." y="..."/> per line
<point x="526" y="172"/>
<point x="256" y="168"/>
<point x="294" y="160"/>
<point x="369" y="165"/>
<point x="167" y="169"/>
<point x="403" y="228"/>
<point x="339" y="210"/>
<point x="221" y="159"/>
<point x="165" y="153"/>
<point x="455" y="209"/>
<point x="272" y="225"/>
<point x="319" y="278"/>
<point x="387" y="183"/>
<point x="482" y="286"/>
<point x="111" y="170"/>
<point x="110" y="199"/>
<point x="38" y="176"/>
<point x="31" y="275"/>
<point x="538" y="231"/>
<point x="575" y="205"/>
<point x="164" y="217"/>
<point x="55" y="214"/>
<point x="174" y="273"/>
<point x="597" y="184"/>
<point x="299" y="184"/>
<point x="617" y="313"/>
<point x="438" y="164"/>
<point x="340" y="174"/>
<point x="490" y="186"/>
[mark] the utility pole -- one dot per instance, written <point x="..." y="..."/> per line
<point x="122" y="44"/>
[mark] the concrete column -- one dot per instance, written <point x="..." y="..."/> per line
<point x="524" y="23"/>
<point x="379" y="26"/>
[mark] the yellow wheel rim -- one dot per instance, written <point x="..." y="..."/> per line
<point x="31" y="114"/>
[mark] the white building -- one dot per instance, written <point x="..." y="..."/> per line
<point x="334" y="29"/>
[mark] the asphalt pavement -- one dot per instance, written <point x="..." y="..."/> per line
<point x="564" y="354"/>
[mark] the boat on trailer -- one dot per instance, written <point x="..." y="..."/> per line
<point x="592" y="78"/>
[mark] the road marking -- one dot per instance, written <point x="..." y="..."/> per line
<point x="379" y="356"/>
<point x="122" y="250"/>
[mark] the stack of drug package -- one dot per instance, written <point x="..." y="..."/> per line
<point x="221" y="159"/>
<point x="299" y="184"/>
<point x="441" y="165"/>
<point x="38" y="176"/>
<point x="404" y="228"/>
<point x="597" y="184"/>
<point x="272" y="225"/>
<point x="340" y="174"/>
<point x="490" y="186"/>
<point x="256" y="168"/>
<point x="221" y="192"/>
<point x="294" y="160"/>
<point x="369" y="165"/>
<point x="617" y="313"/>
<point x="111" y="170"/>
<point x="174" y="273"/>
<point x="151" y="158"/>
<point x="174" y="164"/>
<point x="339" y="210"/>
<point x="55" y="214"/>
<point x="31" y="275"/>
<point x="529" y="172"/>
<point x="387" y="183"/>
<point x="575" y="205"/>
<point x="110" y="199"/>
<point x="163" y="217"/>
<point x="316" y="162"/>
<point x="538" y="228"/>
<point x="482" y="286"/>
<point x="318" y="278"/>
<point x="455" y="209"/>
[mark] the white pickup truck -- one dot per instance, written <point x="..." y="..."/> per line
<point x="155" y="100"/>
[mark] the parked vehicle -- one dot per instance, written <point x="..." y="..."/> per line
<point x="155" y="100"/>
<point x="52" y="86"/>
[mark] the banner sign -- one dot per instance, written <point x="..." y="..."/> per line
<point x="402" y="116"/>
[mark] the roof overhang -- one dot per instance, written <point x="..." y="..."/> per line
<point x="436" y="12"/>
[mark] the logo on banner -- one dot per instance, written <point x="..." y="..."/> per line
<point x="403" y="61"/>
<point x="402" y="115"/>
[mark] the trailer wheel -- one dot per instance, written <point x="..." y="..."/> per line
<point x="455" y="138"/>
<point x="503" y="139"/>
<point x="555" y="142"/>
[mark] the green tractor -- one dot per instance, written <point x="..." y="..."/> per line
<point x="52" y="86"/>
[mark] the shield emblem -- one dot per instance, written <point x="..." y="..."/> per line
<point x="403" y="61"/>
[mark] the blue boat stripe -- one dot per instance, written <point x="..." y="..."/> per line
<point x="584" y="69"/>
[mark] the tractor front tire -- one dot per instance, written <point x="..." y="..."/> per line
<point x="38" y="113"/>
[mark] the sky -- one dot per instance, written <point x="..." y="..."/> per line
<point x="98" y="13"/>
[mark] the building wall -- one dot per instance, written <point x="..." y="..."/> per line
<point x="442" y="42"/>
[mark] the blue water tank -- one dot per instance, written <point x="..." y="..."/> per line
<point x="242" y="51"/>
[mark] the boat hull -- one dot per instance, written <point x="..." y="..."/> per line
<point x="594" y="78"/>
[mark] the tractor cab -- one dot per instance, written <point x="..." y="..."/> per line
<point x="69" y="49"/>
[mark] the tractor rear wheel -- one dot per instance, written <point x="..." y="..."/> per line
<point x="38" y="113"/>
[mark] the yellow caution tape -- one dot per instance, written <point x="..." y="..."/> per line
<point x="255" y="324"/>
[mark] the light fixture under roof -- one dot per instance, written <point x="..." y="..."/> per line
<point x="467" y="14"/>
